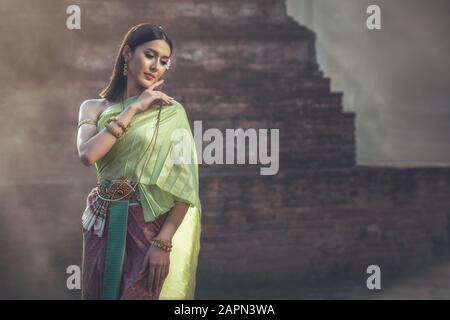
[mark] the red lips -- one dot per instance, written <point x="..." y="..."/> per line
<point x="149" y="76"/>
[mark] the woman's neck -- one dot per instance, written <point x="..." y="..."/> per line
<point x="132" y="90"/>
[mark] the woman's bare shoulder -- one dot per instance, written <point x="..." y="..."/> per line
<point x="94" y="106"/>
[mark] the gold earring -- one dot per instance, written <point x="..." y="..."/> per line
<point x="125" y="69"/>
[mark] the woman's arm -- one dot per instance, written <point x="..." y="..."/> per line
<point x="173" y="220"/>
<point x="157" y="260"/>
<point x="91" y="145"/>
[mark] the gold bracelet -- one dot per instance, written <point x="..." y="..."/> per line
<point x="162" y="244"/>
<point x="108" y="122"/>
<point x="112" y="131"/>
<point x="87" y="121"/>
<point x="124" y="128"/>
<point x="164" y="241"/>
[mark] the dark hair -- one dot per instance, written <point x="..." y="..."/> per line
<point x="136" y="36"/>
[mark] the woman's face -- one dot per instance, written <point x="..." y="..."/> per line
<point x="148" y="59"/>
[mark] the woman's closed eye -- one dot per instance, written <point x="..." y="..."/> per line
<point x="151" y="57"/>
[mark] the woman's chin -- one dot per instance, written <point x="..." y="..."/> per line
<point x="146" y="83"/>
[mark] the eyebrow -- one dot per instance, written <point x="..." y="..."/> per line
<point x="154" y="51"/>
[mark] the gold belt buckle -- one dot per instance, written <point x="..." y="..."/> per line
<point x="120" y="189"/>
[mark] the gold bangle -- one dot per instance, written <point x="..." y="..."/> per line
<point x="120" y="123"/>
<point x="167" y="242"/>
<point x="112" y="131"/>
<point x="108" y="122"/>
<point x="162" y="247"/>
<point x="87" y="121"/>
<point x="124" y="128"/>
<point x="162" y="244"/>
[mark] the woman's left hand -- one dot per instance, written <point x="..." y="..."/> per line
<point x="157" y="261"/>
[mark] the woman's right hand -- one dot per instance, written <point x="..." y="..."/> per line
<point x="147" y="98"/>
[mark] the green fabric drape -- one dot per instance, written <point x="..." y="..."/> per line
<point x="164" y="181"/>
<point x="115" y="249"/>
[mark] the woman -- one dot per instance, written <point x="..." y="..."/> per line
<point x="141" y="225"/>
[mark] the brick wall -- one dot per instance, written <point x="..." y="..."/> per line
<point x="322" y="224"/>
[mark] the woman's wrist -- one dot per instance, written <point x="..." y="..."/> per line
<point x="134" y="107"/>
<point x="166" y="233"/>
<point x="162" y="244"/>
<point x="168" y="229"/>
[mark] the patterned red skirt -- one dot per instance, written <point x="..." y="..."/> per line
<point x="139" y="234"/>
